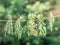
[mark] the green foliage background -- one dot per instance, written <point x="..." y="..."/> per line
<point x="17" y="8"/>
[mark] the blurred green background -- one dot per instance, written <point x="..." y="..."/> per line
<point x="15" y="8"/>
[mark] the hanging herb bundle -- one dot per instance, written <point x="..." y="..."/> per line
<point x="18" y="28"/>
<point x="31" y="24"/>
<point x="51" y="21"/>
<point x="36" y="25"/>
<point x="41" y="25"/>
<point x="8" y="29"/>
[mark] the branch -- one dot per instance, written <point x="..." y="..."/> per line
<point x="56" y="16"/>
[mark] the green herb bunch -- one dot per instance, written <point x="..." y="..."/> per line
<point x="51" y="21"/>
<point x="35" y="25"/>
<point x="8" y="29"/>
<point x="18" y="28"/>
